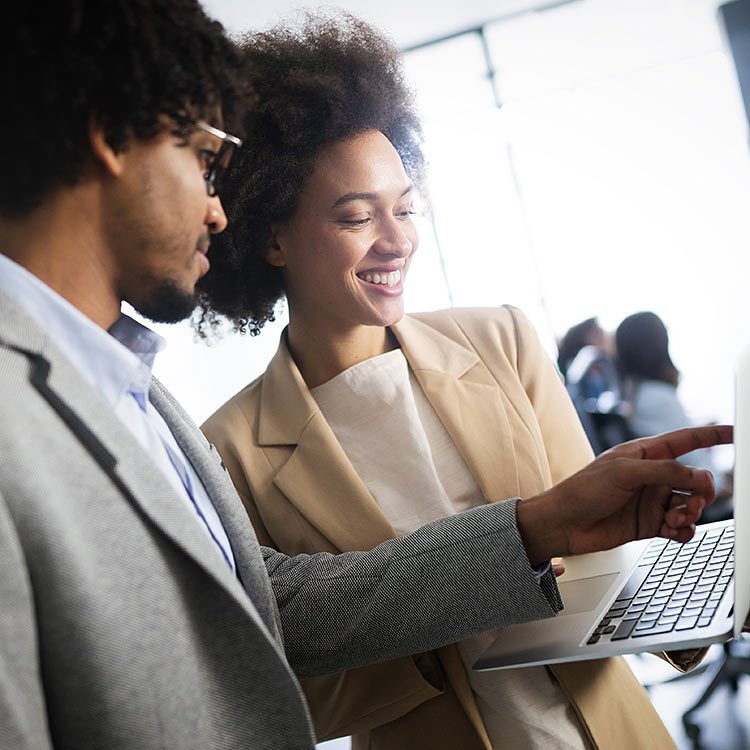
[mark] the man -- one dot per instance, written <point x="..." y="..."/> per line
<point x="136" y="608"/>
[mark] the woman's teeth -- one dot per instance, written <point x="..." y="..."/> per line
<point x="387" y="279"/>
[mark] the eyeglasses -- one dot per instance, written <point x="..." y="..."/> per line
<point x="219" y="162"/>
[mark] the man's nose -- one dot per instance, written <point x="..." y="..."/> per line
<point x="216" y="218"/>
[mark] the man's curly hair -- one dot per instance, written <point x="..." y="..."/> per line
<point x="322" y="81"/>
<point x="137" y="67"/>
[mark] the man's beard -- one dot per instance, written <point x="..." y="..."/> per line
<point x="165" y="302"/>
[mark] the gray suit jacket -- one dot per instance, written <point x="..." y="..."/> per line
<point x="120" y="626"/>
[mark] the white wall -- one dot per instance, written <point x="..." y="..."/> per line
<point x="407" y="22"/>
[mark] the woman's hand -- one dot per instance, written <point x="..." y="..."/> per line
<point x="627" y="493"/>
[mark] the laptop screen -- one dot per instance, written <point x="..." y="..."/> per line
<point x="742" y="492"/>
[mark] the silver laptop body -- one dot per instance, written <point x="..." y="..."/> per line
<point x="651" y="595"/>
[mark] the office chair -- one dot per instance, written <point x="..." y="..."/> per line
<point x="727" y="671"/>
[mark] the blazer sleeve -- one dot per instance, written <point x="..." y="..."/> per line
<point x="23" y="716"/>
<point x="447" y="581"/>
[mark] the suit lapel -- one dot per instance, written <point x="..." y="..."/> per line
<point x="207" y="464"/>
<point x="316" y="476"/>
<point x="468" y="402"/>
<point x="113" y="446"/>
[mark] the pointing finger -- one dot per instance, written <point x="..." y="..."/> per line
<point x="676" y="443"/>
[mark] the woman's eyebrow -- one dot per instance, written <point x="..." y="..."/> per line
<point x="348" y="197"/>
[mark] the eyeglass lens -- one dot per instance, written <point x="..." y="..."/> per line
<point x="219" y="165"/>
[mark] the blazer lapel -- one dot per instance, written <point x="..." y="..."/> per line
<point x="468" y="402"/>
<point x="316" y="476"/>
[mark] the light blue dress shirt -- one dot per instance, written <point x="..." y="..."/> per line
<point x="117" y="364"/>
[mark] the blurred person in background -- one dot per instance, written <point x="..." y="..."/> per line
<point x="585" y="360"/>
<point x="586" y="333"/>
<point x="650" y="383"/>
<point x="368" y="423"/>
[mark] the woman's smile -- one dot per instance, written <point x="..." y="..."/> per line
<point x="383" y="281"/>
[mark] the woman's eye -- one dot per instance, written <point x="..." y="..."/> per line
<point x="406" y="213"/>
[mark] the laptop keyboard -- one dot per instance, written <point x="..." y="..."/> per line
<point x="674" y="587"/>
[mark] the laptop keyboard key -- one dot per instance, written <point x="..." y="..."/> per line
<point x="636" y="580"/>
<point x="686" y="623"/>
<point x="616" y="612"/>
<point x="604" y="630"/>
<point x="624" y="629"/>
<point x="669" y="618"/>
<point x="655" y="630"/>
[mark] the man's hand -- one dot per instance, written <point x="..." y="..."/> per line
<point x="625" y="494"/>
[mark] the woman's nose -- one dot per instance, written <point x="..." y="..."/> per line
<point x="396" y="241"/>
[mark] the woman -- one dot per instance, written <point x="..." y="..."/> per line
<point x="368" y="423"/>
<point x="649" y="375"/>
<point x="650" y="381"/>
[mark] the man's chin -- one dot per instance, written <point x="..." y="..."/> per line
<point x="166" y="303"/>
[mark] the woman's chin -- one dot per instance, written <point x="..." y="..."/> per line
<point x="388" y="316"/>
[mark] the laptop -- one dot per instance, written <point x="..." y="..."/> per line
<point x="650" y="595"/>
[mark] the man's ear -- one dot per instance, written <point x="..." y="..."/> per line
<point x="274" y="253"/>
<point x="103" y="154"/>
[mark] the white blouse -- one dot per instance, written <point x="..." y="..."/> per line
<point x="406" y="458"/>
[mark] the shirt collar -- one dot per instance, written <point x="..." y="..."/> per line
<point x="114" y="363"/>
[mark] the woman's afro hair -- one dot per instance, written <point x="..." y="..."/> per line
<point x="318" y="82"/>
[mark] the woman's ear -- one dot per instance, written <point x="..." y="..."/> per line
<point x="274" y="254"/>
<point x="103" y="154"/>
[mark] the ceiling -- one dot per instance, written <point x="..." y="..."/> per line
<point x="409" y="22"/>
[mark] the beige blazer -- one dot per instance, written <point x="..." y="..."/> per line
<point x="502" y="401"/>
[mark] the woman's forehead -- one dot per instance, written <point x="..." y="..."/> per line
<point x="367" y="162"/>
